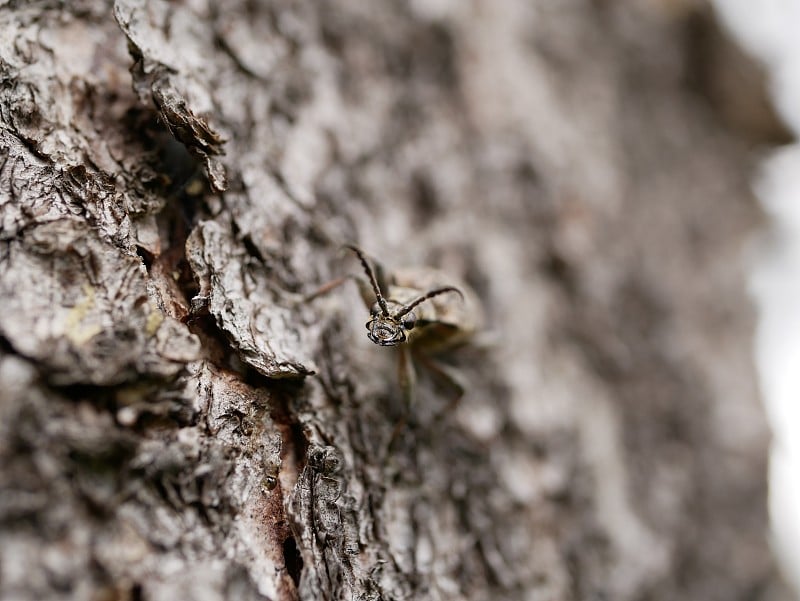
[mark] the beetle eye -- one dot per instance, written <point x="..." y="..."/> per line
<point x="409" y="321"/>
<point x="376" y="309"/>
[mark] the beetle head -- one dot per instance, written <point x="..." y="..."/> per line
<point x="389" y="330"/>
<point x="389" y="327"/>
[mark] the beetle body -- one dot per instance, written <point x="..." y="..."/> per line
<point x="419" y="310"/>
<point x="440" y="322"/>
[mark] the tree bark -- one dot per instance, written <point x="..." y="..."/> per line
<point x="177" y="422"/>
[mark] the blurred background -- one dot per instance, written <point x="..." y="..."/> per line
<point x="769" y="30"/>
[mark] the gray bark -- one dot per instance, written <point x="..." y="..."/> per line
<point x="176" y="423"/>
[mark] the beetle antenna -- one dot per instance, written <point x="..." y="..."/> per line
<point x="372" y="280"/>
<point x="430" y="294"/>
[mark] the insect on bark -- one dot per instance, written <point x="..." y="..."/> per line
<point x="418" y="310"/>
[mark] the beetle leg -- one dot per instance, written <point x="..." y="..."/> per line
<point x="325" y="289"/>
<point x="364" y="290"/>
<point x="406" y="375"/>
<point x="408" y="381"/>
<point x="448" y="377"/>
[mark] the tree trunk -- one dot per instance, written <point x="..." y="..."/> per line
<point x="179" y="422"/>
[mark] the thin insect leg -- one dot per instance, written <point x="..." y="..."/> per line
<point x="428" y="295"/>
<point x="398" y="427"/>
<point x="371" y="275"/>
<point x="364" y="290"/>
<point x="406" y="375"/>
<point x="408" y="380"/>
<point x="447" y="377"/>
<point x="326" y="288"/>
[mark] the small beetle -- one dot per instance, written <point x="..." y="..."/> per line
<point x="410" y="309"/>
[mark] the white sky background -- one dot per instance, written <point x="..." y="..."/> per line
<point x="770" y="29"/>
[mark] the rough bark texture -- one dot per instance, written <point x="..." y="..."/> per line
<point x="176" y="423"/>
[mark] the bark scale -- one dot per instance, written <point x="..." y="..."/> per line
<point x="176" y="423"/>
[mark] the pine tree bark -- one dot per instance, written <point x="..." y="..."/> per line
<point x="176" y="422"/>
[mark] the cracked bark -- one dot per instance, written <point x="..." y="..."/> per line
<point x="176" y="422"/>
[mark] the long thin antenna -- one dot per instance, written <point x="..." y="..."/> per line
<point x="430" y="294"/>
<point x="372" y="279"/>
